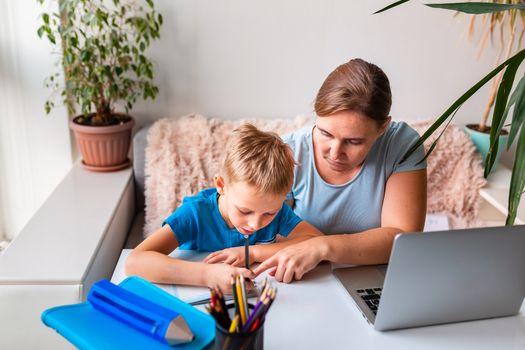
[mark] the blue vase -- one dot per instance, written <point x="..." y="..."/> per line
<point x="482" y="142"/>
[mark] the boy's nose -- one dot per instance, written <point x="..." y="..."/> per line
<point x="255" y="224"/>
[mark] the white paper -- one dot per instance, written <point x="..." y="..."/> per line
<point x="436" y="222"/>
<point x="188" y="294"/>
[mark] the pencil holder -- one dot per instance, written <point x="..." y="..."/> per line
<point x="224" y="340"/>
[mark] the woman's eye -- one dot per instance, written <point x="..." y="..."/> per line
<point x="353" y="142"/>
<point x="244" y="212"/>
<point x="270" y="214"/>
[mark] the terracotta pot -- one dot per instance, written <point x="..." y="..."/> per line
<point x="103" y="148"/>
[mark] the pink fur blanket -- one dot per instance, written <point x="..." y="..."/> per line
<point x="183" y="154"/>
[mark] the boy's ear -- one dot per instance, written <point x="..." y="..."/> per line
<point x="219" y="184"/>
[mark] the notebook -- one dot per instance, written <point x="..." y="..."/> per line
<point x="442" y="277"/>
<point x="190" y="294"/>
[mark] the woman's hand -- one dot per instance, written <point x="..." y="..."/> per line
<point x="219" y="276"/>
<point x="293" y="261"/>
<point x="231" y="256"/>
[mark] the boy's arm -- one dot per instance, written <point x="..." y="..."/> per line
<point x="260" y="252"/>
<point x="150" y="260"/>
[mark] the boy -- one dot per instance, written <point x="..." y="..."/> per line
<point x="248" y="200"/>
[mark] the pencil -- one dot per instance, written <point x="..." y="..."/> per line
<point x="234" y="296"/>
<point x="240" y="299"/>
<point x="244" y="300"/>
<point x="247" y="251"/>
<point x="234" y="323"/>
<point x="255" y="325"/>
<point x="250" y="319"/>
<point x="264" y="291"/>
<point x="223" y="305"/>
<point x="259" y="313"/>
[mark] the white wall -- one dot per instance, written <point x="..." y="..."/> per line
<point x="244" y="58"/>
<point x="235" y="59"/>
<point x="34" y="148"/>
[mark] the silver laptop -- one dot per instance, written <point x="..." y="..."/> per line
<point x="441" y="277"/>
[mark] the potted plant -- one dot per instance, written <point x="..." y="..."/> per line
<point x="505" y="102"/>
<point x="103" y="66"/>
<point x="508" y="25"/>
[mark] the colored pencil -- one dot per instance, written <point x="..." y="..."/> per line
<point x="223" y="305"/>
<point x="235" y="322"/>
<point x="244" y="298"/>
<point x="259" y="313"/>
<point x="240" y="297"/>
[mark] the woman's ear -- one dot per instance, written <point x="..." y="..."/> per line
<point x="385" y="124"/>
<point x="219" y="184"/>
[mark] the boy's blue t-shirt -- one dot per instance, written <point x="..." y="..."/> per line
<point x="198" y="225"/>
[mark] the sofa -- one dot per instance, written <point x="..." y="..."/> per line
<point x="76" y="238"/>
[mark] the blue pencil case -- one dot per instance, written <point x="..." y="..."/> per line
<point x="88" y="328"/>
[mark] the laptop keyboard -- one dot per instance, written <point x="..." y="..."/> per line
<point x="371" y="297"/>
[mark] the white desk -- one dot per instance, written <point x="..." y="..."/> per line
<point x="317" y="313"/>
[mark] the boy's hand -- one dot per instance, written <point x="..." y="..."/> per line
<point x="231" y="256"/>
<point x="219" y="275"/>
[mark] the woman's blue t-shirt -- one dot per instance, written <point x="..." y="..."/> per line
<point x="356" y="205"/>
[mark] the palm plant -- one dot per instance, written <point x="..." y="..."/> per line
<point x="505" y="101"/>
<point x="502" y="22"/>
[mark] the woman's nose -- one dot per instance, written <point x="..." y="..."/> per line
<point x="335" y="150"/>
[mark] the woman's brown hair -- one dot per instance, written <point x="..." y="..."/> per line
<point x="356" y="86"/>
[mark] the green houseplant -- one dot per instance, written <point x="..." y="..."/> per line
<point x="506" y="100"/>
<point x="102" y="65"/>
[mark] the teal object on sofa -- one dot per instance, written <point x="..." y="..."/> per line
<point x="482" y="142"/>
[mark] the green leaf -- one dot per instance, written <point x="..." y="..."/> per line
<point x="102" y="44"/>
<point x="502" y="96"/>
<point x="397" y="3"/>
<point x="73" y="42"/>
<point x="85" y="55"/>
<point x="453" y="108"/>
<point x="477" y="8"/>
<point x="519" y="110"/>
<point x="517" y="180"/>
<point x="40" y="31"/>
<point x="68" y="57"/>
<point x="48" y="106"/>
<point x="51" y="38"/>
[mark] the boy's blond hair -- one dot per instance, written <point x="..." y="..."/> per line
<point x="261" y="159"/>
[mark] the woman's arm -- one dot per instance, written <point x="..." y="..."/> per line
<point x="404" y="208"/>
<point x="261" y="252"/>
<point x="150" y="260"/>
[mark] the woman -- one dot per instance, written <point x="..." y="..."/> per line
<point x="350" y="182"/>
